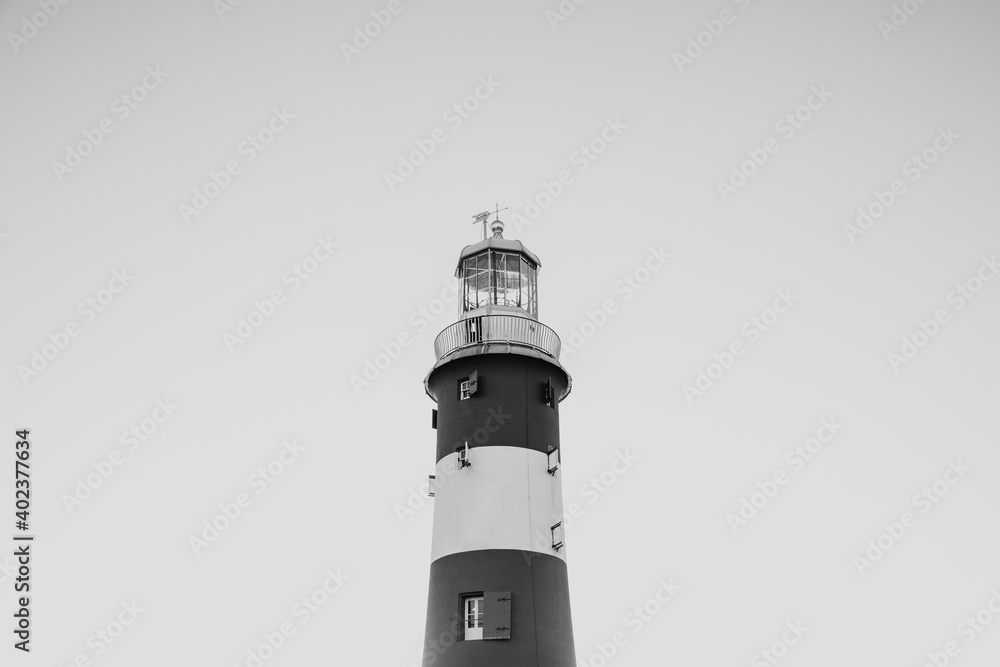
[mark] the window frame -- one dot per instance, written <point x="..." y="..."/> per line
<point x="465" y="599"/>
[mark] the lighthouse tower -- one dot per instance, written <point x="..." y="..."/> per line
<point x="499" y="594"/>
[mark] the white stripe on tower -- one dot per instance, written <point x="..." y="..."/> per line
<point x="505" y="500"/>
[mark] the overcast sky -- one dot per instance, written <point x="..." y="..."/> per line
<point x="169" y="169"/>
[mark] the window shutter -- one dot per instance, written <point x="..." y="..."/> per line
<point x="496" y="615"/>
<point x="558" y="536"/>
<point x="553" y="457"/>
<point x="473" y="382"/>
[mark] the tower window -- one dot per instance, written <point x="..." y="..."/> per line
<point x="549" y="394"/>
<point x="486" y="615"/>
<point x="472" y="616"/>
<point x="468" y="386"/>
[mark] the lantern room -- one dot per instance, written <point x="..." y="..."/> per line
<point x="498" y="276"/>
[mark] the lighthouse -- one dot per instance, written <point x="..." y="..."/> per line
<point x="499" y="592"/>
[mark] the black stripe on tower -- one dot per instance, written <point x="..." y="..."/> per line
<point x="541" y="628"/>
<point x="517" y="393"/>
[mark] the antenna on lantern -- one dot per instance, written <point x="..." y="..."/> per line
<point x="483" y="218"/>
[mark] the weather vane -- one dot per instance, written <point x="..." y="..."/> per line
<point x="481" y="218"/>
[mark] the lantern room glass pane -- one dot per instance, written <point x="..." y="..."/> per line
<point x="513" y="281"/>
<point x="498" y="278"/>
<point x="532" y="292"/>
<point x="523" y="288"/>
<point x="482" y="279"/>
<point x="469" y="283"/>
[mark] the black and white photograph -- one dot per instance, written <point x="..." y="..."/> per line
<point x="563" y="333"/>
